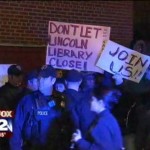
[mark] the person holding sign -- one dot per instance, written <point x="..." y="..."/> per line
<point x="130" y="111"/>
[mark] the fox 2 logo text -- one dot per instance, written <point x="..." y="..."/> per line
<point x="6" y="127"/>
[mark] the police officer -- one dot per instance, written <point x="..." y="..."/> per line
<point x="32" y="80"/>
<point x="73" y="79"/>
<point x="36" y="115"/>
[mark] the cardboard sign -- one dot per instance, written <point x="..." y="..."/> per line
<point x="128" y="63"/>
<point x="3" y="73"/>
<point x="75" y="46"/>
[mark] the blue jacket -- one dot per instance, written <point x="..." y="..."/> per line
<point x="85" y="115"/>
<point x="33" y="121"/>
<point x="104" y="134"/>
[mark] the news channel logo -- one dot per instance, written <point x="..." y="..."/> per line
<point x="6" y="127"/>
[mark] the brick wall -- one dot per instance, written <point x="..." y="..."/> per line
<point x="25" y="23"/>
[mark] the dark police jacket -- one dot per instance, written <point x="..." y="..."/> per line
<point x="73" y="99"/>
<point x="34" y="118"/>
<point x="104" y="134"/>
<point x="10" y="96"/>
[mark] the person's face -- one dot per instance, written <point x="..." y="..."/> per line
<point x="94" y="104"/>
<point x="112" y="97"/>
<point x="90" y="81"/>
<point x="16" y="80"/>
<point x="33" y="84"/>
<point x="46" y="84"/>
<point x="59" y="87"/>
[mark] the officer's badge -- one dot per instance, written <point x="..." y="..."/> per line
<point x="62" y="104"/>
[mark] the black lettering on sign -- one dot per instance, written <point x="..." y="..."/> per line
<point x="61" y="41"/>
<point x="112" y="67"/>
<point x="114" y="53"/>
<point x="131" y="59"/>
<point x="74" y="28"/>
<point x="97" y="31"/>
<point x="61" y="29"/>
<point x="85" y="33"/>
<point x="141" y="62"/>
<point x="123" y="55"/>
<point x="127" y="71"/>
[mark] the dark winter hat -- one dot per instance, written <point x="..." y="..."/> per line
<point x="47" y="71"/>
<point x="33" y="74"/>
<point x="60" y="80"/>
<point x="102" y="90"/>
<point x="15" y="70"/>
<point x="108" y="82"/>
<point x="87" y="73"/>
<point x="73" y="76"/>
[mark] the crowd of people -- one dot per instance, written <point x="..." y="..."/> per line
<point x="79" y="110"/>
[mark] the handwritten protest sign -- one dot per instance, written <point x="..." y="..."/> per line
<point x="75" y="46"/>
<point x="128" y="63"/>
<point x="3" y="73"/>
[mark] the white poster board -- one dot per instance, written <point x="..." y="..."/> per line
<point x="75" y="46"/>
<point x="3" y="73"/>
<point x="128" y="63"/>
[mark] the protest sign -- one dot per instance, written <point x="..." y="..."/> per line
<point x="3" y="73"/>
<point x="128" y="63"/>
<point x="75" y="46"/>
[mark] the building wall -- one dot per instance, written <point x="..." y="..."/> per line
<point x="24" y="25"/>
<point x="142" y="20"/>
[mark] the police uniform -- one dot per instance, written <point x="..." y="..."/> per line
<point x="36" y="124"/>
<point x="72" y="100"/>
<point x="34" y="118"/>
